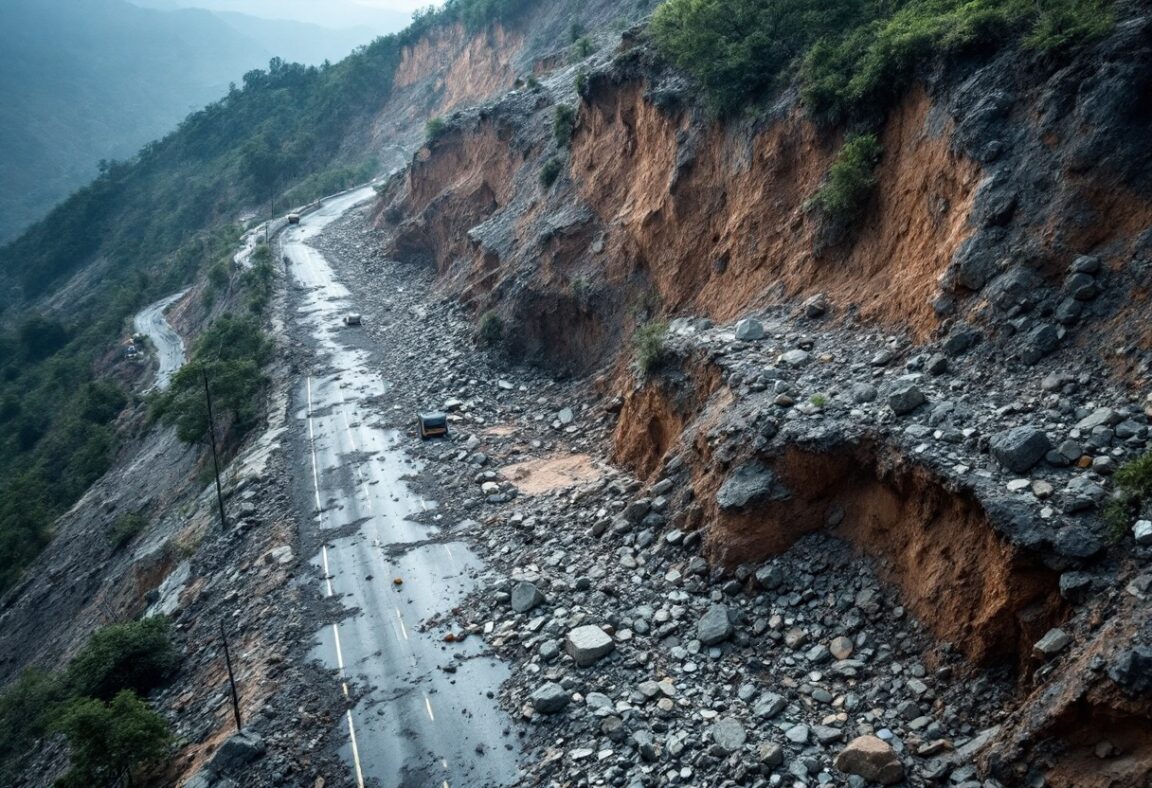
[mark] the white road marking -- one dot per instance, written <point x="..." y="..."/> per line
<point x="328" y="581"/>
<point x="403" y="629"/>
<point x="428" y="705"/>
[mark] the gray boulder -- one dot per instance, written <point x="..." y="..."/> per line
<point x="871" y="758"/>
<point x="550" y="698"/>
<point x="749" y="330"/>
<point x="905" y="398"/>
<point x="588" y="644"/>
<point x="1039" y="342"/>
<point x="714" y="626"/>
<point x="729" y="735"/>
<point x="751" y="484"/>
<point x="239" y="750"/>
<point x="1019" y="448"/>
<point x="526" y="596"/>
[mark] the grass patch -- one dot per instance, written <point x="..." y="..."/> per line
<point x="1133" y="491"/>
<point x="433" y="129"/>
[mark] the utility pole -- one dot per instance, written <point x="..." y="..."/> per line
<point x="231" y="679"/>
<point x="215" y="462"/>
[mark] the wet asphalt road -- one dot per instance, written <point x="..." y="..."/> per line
<point x="418" y="725"/>
<point x="168" y="344"/>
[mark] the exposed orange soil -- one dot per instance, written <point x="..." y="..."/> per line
<point x="547" y="474"/>
<point x="741" y="201"/>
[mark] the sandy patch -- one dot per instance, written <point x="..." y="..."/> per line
<point x="551" y="473"/>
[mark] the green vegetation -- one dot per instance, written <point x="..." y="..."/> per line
<point x="563" y="124"/>
<point x="582" y="48"/>
<point x="232" y="351"/>
<point x="819" y="400"/>
<point x="1133" y="491"/>
<point x="105" y="739"/>
<point x="490" y="329"/>
<point x="125" y="528"/>
<point x="650" y="346"/>
<point x="551" y="171"/>
<point x="330" y="181"/>
<point x="137" y="656"/>
<point x="854" y="55"/>
<point x="433" y="129"/>
<point x="845" y="192"/>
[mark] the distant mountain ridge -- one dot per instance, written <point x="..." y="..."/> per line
<point x="91" y="81"/>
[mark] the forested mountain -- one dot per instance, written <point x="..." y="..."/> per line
<point x="91" y="81"/>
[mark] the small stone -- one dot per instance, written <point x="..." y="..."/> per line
<point x="863" y="393"/>
<point x="816" y="306"/>
<point x="1053" y="642"/>
<point x="1085" y="264"/>
<point x="795" y="358"/>
<point x="770" y="753"/>
<point x="797" y="734"/>
<point x="1142" y="530"/>
<point x="588" y="644"/>
<point x="937" y="364"/>
<point x="565" y="416"/>
<point x="769" y="577"/>
<point x="871" y="758"/>
<point x="550" y="698"/>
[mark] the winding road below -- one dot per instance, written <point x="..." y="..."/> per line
<point x="169" y="345"/>
<point x="417" y="724"/>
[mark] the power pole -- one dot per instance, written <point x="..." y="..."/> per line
<point x="215" y="461"/>
<point x="231" y="679"/>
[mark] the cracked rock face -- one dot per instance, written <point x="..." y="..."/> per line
<point x="751" y="484"/>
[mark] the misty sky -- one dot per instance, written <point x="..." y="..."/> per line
<point x="378" y="15"/>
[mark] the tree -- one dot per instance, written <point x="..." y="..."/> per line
<point x="108" y="740"/>
<point x="135" y="656"/>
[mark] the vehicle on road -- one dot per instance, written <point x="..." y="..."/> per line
<point x="432" y="424"/>
<point x="293" y="218"/>
<point x="352" y="319"/>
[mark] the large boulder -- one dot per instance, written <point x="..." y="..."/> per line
<point x="729" y="735"/>
<point x="871" y="758"/>
<point x="525" y="596"/>
<point x="749" y="330"/>
<point x="714" y="626"/>
<point x="588" y="644"/>
<point x="751" y="484"/>
<point x="237" y="751"/>
<point x="550" y="698"/>
<point x="1019" y="448"/>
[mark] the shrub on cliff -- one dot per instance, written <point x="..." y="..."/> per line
<point x="138" y="656"/>
<point x="490" y="329"/>
<point x="551" y="171"/>
<point x="650" y="346"/>
<point x="108" y="741"/>
<point x="433" y="129"/>
<point x="563" y="123"/>
<point x="845" y="192"/>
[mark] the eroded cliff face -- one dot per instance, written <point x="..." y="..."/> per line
<point x="995" y="178"/>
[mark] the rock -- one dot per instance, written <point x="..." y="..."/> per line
<point x="937" y="364"/>
<point x="863" y="392"/>
<point x="526" y="596"/>
<point x="1075" y="586"/>
<point x="714" y="626"/>
<point x="797" y="734"/>
<point x="1038" y="343"/>
<point x="871" y="758"/>
<point x="1019" y="448"/>
<point x="1142" y="530"/>
<point x="565" y="416"/>
<point x="795" y="358"/>
<point x="770" y="753"/>
<point x="550" y="698"/>
<point x="769" y="577"/>
<point x="751" y="484"/>
<point x="960" y="341"/>
<point x="749" y="330"/>
<point x="841" y="647"/>
<point x="1053" y="642"/>
<point x="239" y="750"/>
<point x="588" y="644"/>
<point x="1131" y="668"/>
<point x="816" y="306"/>
<point x="905" y="398"/>
<point x="1081" y="286"/>
<point x="1085" y="264"/>
<point x="1101" y="417"/>
<point x="769" y="705"/>
<point x="728" y="734"/>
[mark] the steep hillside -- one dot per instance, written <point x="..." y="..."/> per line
<point x="93" y="81"/>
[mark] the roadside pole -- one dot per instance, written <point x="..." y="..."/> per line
<point x="215" y="462"/>
<point x="231" y="679"/>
